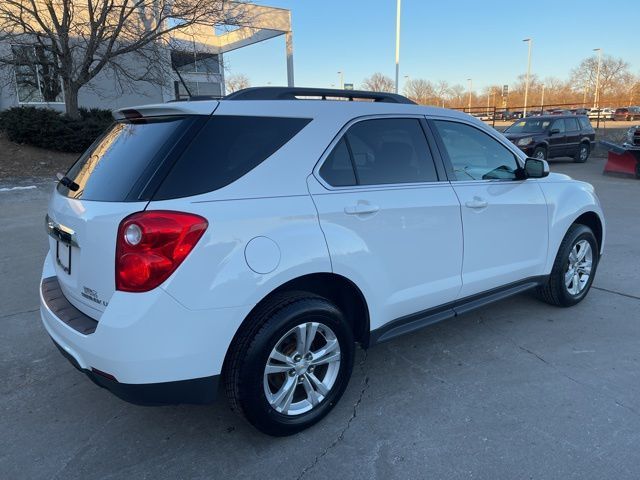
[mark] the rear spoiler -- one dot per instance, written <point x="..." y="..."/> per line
<point x="166" y="109"/>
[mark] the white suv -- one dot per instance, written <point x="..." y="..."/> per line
<point x="252" y="242"/>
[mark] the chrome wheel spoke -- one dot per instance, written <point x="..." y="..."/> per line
<point x="281" y="357"/>
<point x="568" y="277"/>
<point x="312" y="329"/>
<point x="277" y="368"/>
<point x="582" y="252"/>
<point x="312" y="394"/>
<point x="317" y="384"/>
<point x="576" y="283"/>
<point x="301" y="338"/>
<point x="282" y="399"/>
<point x="327" y="354"/>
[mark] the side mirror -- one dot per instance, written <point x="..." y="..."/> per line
<point x="553" y="131"/>
<point x="536" y="168"/>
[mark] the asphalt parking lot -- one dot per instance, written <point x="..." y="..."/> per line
<point x="519" y="389"/>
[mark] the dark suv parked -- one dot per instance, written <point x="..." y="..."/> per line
<point x="553" y="136"/>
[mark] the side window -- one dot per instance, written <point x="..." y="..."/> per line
<point x="226" y="148"/>
<point x="558" y="125"/>
<point x="571" y="124"/>
<point x="393" y="150"/>
<point x="337" y="169"/>
<point x="584" y="123"/>
<point x="382" y="151"/>
<point x="475" y="155"/>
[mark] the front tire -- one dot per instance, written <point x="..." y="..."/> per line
<point x="582" y="154"/>
<point x="540" y="153"/>
<point x="292" y="364"/>
<point x="574" y="268"/>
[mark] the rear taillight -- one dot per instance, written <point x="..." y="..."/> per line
<point x="151" y="245"/>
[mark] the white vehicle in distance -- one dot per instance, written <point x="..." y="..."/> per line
<point x="250" y="243"/>
<point x="604" y="114"/>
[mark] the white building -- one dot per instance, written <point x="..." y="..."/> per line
<point x="196" y="59"/>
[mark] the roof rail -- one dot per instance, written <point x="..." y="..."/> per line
<point x="196" y="98"/>
<point x="293" y="93"/>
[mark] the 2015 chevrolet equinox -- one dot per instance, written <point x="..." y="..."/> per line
<point x="253" y="241"/>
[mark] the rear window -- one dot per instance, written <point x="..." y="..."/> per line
<point x="224" y="150"/>
<point x="120" y="163"/>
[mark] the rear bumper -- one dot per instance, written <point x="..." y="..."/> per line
<point x="196" y="390"/>
<point x="150" y="348"/>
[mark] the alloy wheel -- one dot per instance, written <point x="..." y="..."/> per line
<point x="302" y="368"/>
<point x="579" y="267"/>
<point x="584" y="152"/>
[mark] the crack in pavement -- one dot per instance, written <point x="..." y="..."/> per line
<point x="342" y="433"/>
<point x="628" y="295"/>
<point x="565" y="375"/>
<point x="18" y="313"/>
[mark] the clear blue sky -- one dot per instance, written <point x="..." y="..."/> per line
<point x="441" y="40"/>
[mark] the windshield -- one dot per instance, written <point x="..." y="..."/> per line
<point x="529" y="126"/>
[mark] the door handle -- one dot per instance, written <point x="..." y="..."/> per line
<point x="361" y="209"/>
<point x="476" y="203"/>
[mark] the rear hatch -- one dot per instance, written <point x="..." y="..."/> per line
<point x="114" y="178"/>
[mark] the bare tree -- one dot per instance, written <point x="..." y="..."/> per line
<point x="443" y="92"/>
<point x="614" y="74"/>
<point x="634" y="90"/>
<point x="75" y="40"/>
<point x="378" y="83"/>
<point x="457" y="94"/>
<point x="236" y="82"/>
<point x="420" y="91"/>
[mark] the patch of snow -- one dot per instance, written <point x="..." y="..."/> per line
<point x="29" y="187"/>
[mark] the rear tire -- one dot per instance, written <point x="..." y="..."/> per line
<point x="540" y="153"/>
<point x="280" y="403"/>
<point x="582" y="154"/>
<point x="567" y="285"/>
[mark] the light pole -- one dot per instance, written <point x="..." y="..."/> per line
<point x="542" y="100"/>
<point x="526" y="85"/>
<point x="407" y="79"/>
<point x="469" y="83"/>
<point x="341" y="80"/>
<point x="596" y="95"/>
<point x="397" y="43"/>
<point x="488" y="100"/>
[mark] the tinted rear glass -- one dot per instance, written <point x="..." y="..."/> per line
<point x="117" y="162"/>
<point x="224" y="150"/>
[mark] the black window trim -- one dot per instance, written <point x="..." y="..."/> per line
<point x="447" y="161"/>
<point x="429" y="138"/>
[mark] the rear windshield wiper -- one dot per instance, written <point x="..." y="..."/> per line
<point x="67" y="182"/>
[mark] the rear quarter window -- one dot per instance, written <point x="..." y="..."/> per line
<point x="585" y="124"/>
<point x="224" y="150"/>
<point x="571" y="124"/>
<point x="122" y="161"/>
